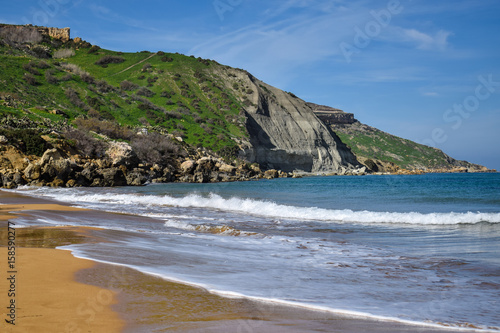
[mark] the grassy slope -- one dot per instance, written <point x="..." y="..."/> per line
<point x="369" y="142"/>
<point x="199" y="107"/>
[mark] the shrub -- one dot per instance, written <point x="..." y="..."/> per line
<point x="94" y="102"/>
<point x="207" y="129"/>
<point x="31" y="141"/>
<point x="73" y="68"/>
<point x="85" y="143"/>
<point x="86" y="77"/>
<point x="109" y="128"/>
<point x="154" y="148"/>
<point x="63" y="53"/>
<point x="109" y="59"/>
<point x="42" y="65"/>
<point x="30" y="79"/>
<point x="73" y="97"/>
<point x="152" y="80"/>
<point x="94" y="49"/>
<point x="166" y="59"/>
<point x="166" y="94"/>
<point x="104" y="87"/>
<point x="50" y="78"/>
<point x="42" y="52"/>
<point x="143" y="107"/>
<point x="145" y="92"/>
<point x="173" y="115"/>
<point x="128" y="86"/>
<point x="67" y="77"/>
<point x="29" y="68"/>
<point x="146" y="67"/>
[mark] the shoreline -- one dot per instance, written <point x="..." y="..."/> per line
<point x="153" y="303"/>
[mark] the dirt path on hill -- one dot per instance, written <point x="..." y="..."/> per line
<point x="137" y="63"/>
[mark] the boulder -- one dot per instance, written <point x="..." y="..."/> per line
<point x="270" y="174"/>
<point x="136" y="177"/>
<point x="113" y="177"/>
<point x="59" y="168"/>
<point x="121" y="153"/>
<point x="227" y="168"/>
<point x="33" y="171"/>
<point x="14" y="159"/>
<point x="50" y="155"/>
<point x="188" y="166"/>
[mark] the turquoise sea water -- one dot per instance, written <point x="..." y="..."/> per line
<point x="423" y="248"/>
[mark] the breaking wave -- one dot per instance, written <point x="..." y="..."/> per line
<point x="275" y="210"/>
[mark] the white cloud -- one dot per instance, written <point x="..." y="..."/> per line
<point x="439" y="41"/>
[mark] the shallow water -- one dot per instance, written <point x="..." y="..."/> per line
<point x="418" y="248"/>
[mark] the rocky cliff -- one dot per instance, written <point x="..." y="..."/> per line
<point x="284" y="132"/>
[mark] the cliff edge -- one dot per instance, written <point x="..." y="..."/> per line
<point x="284" y="132"/>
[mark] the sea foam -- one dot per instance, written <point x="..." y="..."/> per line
<point x="275" y="210"/>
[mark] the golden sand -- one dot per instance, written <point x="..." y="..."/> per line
<point x="38" y="293"/>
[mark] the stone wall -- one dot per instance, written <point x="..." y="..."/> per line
<point x="330" y="115"/>
<point x="335" y="117"/>
<point x="32" y="34"/>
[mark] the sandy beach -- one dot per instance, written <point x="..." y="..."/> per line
<point x="56" y="292"/>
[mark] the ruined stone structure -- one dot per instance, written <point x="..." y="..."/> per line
<point x="32" y="34"/>
<point x="331" y="115"/>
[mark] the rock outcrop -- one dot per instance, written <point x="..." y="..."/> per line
<point x="32" y="34"/>
<point x="120" y="167"/>
<point x="284" y="132"/>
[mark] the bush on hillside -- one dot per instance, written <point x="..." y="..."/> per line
<point x="29" y="141"/>
<point x="63" y="53"/>
<point x="94" y="49"/>
<point x="109" y="59"/>
<point x="154" y="148"/>
<point x="87" y="78"/>
<point x="73" y="97"/>
<point x="50" y="78"/>
<point x="104" y="87"/>
<point x="30" y="79"/>
<point x="109" y="128"/>
<point x="85" y="143"/>
<point x="128" y="86"/>
<point x="145" y="92"/>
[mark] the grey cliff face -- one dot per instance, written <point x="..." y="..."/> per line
<point x="286" y="135"/>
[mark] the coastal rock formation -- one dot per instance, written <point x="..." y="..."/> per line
<point x="284" y="132"/>
<point x="119" y="167"/>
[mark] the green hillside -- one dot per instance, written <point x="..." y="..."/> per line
<point x="89" y="87"/>
<point x="369" y="143"/>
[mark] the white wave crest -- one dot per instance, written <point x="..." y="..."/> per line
<point x="274" y="210"/>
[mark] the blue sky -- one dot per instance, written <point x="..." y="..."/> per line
<point x="424" y="70"/>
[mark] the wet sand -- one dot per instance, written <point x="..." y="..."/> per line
<point x="57" y="292"/>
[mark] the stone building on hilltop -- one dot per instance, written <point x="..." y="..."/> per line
<point x="32" y="34"/>
<point x="331" y="115"/>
